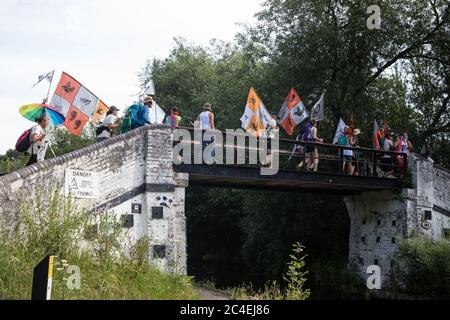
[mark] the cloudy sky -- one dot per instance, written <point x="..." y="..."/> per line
<point x="102" y="43"/>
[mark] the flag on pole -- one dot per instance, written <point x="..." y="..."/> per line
<point x="317" y="112"/>
<point x="156" y="114"/>
<point x="255" y="117"/>
<point x="340" y="130"/>
<point x="48" y="76"/>
<point x="150" y="89"/>
<point x="376" y="135"/>
<point x="76" y="103"/>
<point x="100" y="111"/>
<point x="292" y="112"/>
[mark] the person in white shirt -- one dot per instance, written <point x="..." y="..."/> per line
<point x="386" y="159"/>
<point x="270" y="133"/>
<point x="37" y="141"/>
<point x="206" y="123"/>
<point x="108" y="124"/>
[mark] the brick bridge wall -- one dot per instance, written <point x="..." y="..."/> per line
<point x="133" y="168"/>
<point x="379" y="220"/>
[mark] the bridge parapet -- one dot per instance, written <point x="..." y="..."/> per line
<point x="134" y="181"/>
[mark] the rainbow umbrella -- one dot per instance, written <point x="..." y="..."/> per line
<point x="35" y="110"/>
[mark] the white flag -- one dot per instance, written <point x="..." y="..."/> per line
<point x="340" y="130"/>
<point x="156" y="114"/>
<point x="48" y="76"/>
<point x="150" y="89"/>
<point x="317" y="112"/>
<point x="247" y="118"/>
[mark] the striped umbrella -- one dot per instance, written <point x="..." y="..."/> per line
<point x="35" y="110"/>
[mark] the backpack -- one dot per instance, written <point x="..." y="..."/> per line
<point x="100" y="129"/>
<point x="134" y="114"/>
<point x="307" y="133"/>
<point x="130" y="115"/>
<point x="343" y="140"/>
<point x="23" y="143"/>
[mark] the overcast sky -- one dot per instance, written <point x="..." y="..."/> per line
<point x="102" y="43"/>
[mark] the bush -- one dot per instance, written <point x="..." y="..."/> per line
<point x="54" y="226"/>
<point x="294" y="278"/>
<point x="423" y="267"/>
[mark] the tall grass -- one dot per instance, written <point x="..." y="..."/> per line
<point x="294" y="282"/>
<point x="53" y="225"/>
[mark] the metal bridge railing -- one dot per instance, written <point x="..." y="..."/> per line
<point x="367" y="162"/>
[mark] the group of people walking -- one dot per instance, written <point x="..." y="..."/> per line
<point x="138" y="115"/>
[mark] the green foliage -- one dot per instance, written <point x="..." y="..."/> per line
<point x="64" y="142"/>
<point x="295" y="276"/>
<point x="12" y="160"/>
<point x="54" y="226"/>
<point x="423" y="268"/>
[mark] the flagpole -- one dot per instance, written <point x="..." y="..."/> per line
<point x="48" y="91"/>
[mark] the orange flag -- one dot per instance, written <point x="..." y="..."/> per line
<point x="75" y="121"/>
<point x="292" y="112"/>
<point x="100" y="111"/>
<point x="255" y="117"/>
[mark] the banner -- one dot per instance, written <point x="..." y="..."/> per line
<point x="292" y="112"/>
<point x="376" y="135"/>
<point x="317" y="112"/>
<point x="150" y="89"/>
<point x="76" y="103"/>
<point x="340" y="130"/>
<point x="100" y="111"/>
<point x="255" y="117"/>
<point x="48" y="76"/>
<point x="156" y="114"/>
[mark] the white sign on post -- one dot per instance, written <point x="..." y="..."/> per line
<point x="80" y="184"/>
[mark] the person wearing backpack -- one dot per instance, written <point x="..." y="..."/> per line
<point x="108" y="124"/>
<point x="306" y="136"/>
<point x="139" y="114"/>
<point x="347" y="154"/>
<point x="37" y="141"/>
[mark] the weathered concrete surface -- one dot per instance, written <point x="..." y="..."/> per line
<point x="379" y="220"/>
<point x="133" y="168"/>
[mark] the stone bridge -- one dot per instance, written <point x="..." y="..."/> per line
<point x="132" y="175"/>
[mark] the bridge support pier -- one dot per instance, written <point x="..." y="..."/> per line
<point x="379" y="220"/>
<point x="165" y="203"/>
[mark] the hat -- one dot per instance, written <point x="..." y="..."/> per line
<point x="148" y="99"/>
<point x="356" y="132"/>
<point x="207" y="106"/>
<point x="113" y="108"/>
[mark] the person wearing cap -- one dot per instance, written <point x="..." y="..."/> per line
<point x="104" y="132"/>
<point x="206" y="122"/>
<point x="140" y="114"/>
